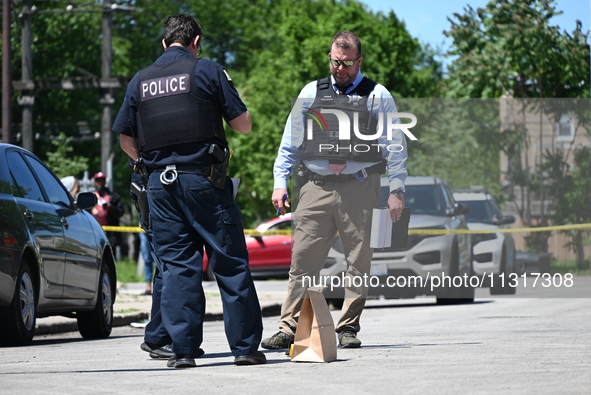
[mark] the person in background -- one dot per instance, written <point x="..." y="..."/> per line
<point x="108" y="209"/>
<point x="72" y="185"/>
<point x="148" y="262"/>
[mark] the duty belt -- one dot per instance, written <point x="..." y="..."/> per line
<point x="332" y="177"/>
<point x="361" y="175"/>
<point x="171" y="172"/>
<point x="199" y="170"/>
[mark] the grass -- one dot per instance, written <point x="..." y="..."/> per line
<point x="564" y="267"/>
<point x="127" y="271"/>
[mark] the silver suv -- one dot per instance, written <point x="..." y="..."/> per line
<point x="429" y="263"/>
<point x="494" y="253"/>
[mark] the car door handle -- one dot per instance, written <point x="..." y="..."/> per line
<point x="286" y="242"/>
<point x="29" y="215"/>
<point x="64" y="222"/>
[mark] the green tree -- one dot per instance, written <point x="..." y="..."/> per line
<point x="271" y="49"/>
<point x="61" y="160"/>
<point x="511" y="48"/>
<point x="295" y="54"/>
<point x="573" y="204"/>
<point x="448" y="133"/>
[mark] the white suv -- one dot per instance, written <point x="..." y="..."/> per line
<point x="494" y="253"/>
<point x="426" y="259"/>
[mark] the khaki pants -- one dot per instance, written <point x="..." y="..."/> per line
<point x="323" y="210"/>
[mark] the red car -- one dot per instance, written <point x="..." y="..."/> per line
<point x="269" y="256"/>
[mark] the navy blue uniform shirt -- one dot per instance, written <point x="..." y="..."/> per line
<point x="212" y="80"/>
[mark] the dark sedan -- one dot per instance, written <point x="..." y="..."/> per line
<point x="54" y="257"/>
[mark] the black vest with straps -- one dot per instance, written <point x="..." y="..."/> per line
<point x="322" y="118"/>
<point x="172" y="109"/>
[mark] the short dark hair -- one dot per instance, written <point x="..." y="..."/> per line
<point x="182" y="29"/>
<point x="344" y="39"/>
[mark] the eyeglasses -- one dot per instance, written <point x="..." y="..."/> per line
<point x="346" y="63"/>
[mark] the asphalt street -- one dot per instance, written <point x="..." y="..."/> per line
<point x="517" y="345"/>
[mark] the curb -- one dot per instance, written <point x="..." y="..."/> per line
<point x="70" y="324"/>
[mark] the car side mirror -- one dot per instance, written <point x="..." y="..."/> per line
<point x="458" y="209"/>
<point x="465" y="209"/>
<point x="86" y="200"/>
<point x="508" y="219"/>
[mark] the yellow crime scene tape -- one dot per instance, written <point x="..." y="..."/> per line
<point x="508" y="230"/>
<point x="255" y="233"/>
<point x="250" y="232"/>
<point x="124" y="229"/>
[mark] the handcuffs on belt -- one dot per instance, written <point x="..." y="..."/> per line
<point x="215" y="173"/>
<point x="169" y="175"/>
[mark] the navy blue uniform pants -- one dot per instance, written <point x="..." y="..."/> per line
<point x="155" y="332"/>
<point x="187" y="216"/>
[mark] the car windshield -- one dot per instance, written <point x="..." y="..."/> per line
<point x="480" y="211"/>
<point x="421" y="199"/>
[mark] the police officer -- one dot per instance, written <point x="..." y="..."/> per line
<point x="333" y="130"/>
<point x="176" y="105"/>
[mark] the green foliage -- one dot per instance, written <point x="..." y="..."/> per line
<point x="61" y="160"/>
<point x="511" y="48"/>
<point x="270" y="48"/>
<point x="295" y="53"/>
<point x="572" y="267"/>
<point x="571" y="205"/>
<point x="454" y="140"/>
<point x="64" y="45"/>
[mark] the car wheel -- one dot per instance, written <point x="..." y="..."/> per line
<point x="17" y="320"/>
<point x="519" y="266"/>
<point x="500" y="286"/>
<point x="455" y="295"/>
<point x="97" y="324"/>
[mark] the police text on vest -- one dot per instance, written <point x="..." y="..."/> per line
<point x="165" y="86"/>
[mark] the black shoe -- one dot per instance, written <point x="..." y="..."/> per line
<point x="257" y="358"/>
<point x="278" y="341"/>
<point x="181" y="361"/>
<point x="163" y="352"/>
<point x="157" y="352"/>
<point x="200" y="352"/>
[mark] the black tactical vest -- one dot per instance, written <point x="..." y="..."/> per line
<point x="172" y="110"/>
<point x="326" y="142"/>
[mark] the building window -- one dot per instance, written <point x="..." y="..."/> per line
<point x="565" y="128"/>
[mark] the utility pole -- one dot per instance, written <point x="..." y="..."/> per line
<point x="6" y="73"/>
<point x="27" y="85"/>
<point x="27" y="97"/>
<point x="106" y="99"/>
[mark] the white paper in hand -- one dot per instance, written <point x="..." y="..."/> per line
<point x="381" y="228"/>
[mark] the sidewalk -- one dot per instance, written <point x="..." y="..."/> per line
<point x="133" y="308"/>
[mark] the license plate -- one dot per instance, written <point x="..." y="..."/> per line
<point x="378" y="269"/>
